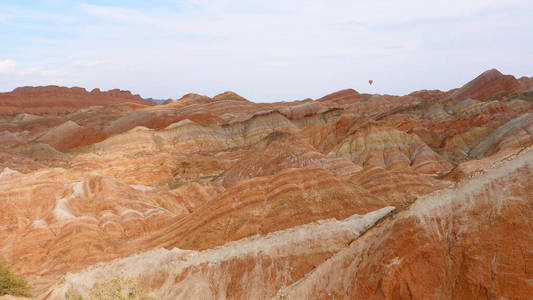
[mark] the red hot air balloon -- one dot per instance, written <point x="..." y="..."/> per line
<point x="370" y="81"/>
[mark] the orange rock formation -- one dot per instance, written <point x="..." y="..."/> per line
<point x="423" y="196"/>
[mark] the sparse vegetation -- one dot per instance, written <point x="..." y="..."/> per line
<point x="10" y="284"/>
<point x="276" y="135"/>
<point x="72" y="294"/>
<point x="176" y="184"/>
<point x="118" y="288"/>
<point x="441" y="175"/>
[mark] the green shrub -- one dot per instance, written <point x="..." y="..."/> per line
<point x="10" y="284"/>
<point x="118" y="288"/>
<point x="72" y="294"/>
<point x="441" y="175"/>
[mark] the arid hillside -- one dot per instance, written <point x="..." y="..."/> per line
<point x="351" y="196"/>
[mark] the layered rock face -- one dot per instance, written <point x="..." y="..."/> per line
<point x="490" y="83"/>
<point x="56" y="97"/>
<point x="252" y="268"/>
<point x="352" y="195"/>
<point x="472" y="241"/>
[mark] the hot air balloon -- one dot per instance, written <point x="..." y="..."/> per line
<point x="370" y="81"/>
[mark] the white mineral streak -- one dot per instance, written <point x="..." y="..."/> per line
<point x="426" y="209"/>
<point x="174" y="262"/>
<point x="61" y="211"/>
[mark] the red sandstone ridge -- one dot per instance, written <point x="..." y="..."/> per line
<point x="70" y="135"/>
<point x="50" y="97"/>
<point x="225" y="198"/>
<point x="229" y="96"/>
<point x="526" y="83"/>
<point x="343" y="96"/>
<point x="490" y="83"/>
<point x="188" y="99"/>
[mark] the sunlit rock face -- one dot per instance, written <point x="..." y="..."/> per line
<point x="251" y="268"/>
<point x="352" y="195"/>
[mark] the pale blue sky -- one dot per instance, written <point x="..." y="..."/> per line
<point x="263" y="50"/>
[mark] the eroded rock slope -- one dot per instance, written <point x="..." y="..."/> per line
<point x="175" y="195"/>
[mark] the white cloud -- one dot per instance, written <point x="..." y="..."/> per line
<point x="7" y="66"/>
<point x="115" y="13"/>
<point x="275" y="49"/>
<point x="86" y="63"/>
<point x="38" y="71"/>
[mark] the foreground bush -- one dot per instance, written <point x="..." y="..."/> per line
<point x="118" y="288"/>
<point x="10" y="284"/>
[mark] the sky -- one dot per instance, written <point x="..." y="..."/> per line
<point x="277" y="50"/>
